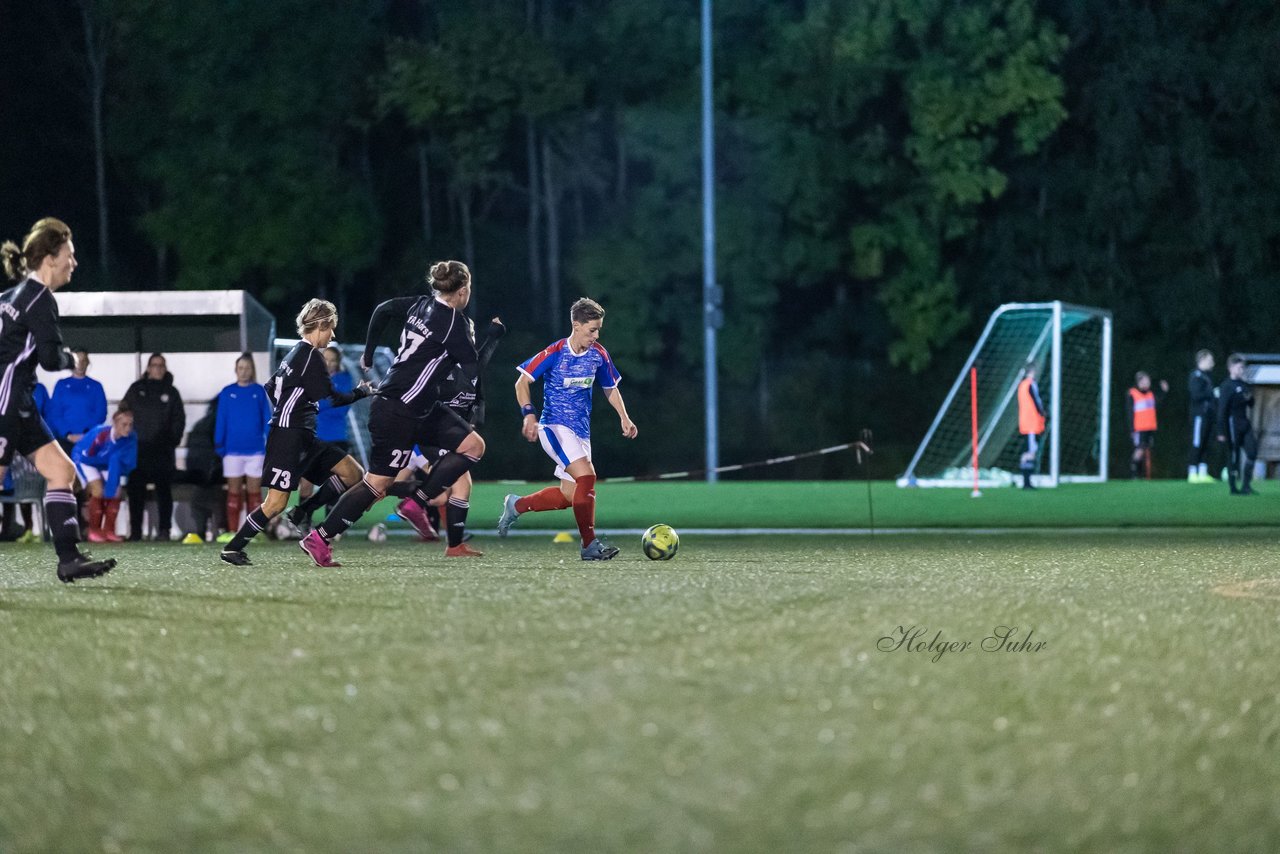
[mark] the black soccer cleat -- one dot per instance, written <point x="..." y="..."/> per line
<point x="599" y="550"/>
<point x="83" y="566"/>
<point x="235" y="558"/>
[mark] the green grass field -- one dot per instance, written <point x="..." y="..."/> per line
<point x="741" y="697"/>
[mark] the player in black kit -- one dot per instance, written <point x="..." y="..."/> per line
<point x="1201" y="406"/>
<point x="436" y="339"/>
<point x="1235" y="399"/>
<point x="29" y="335"/>
<point x="293" y="452"/>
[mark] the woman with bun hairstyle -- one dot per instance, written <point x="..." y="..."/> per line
<point x="30" y="336"/>
<point x="436" y="339"/>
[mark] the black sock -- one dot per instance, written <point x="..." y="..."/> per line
<point x="433" y="516"/>
<point x="350" y="507"/>
<point x="333" y="487"/>
<point x="457" y="520"/>
<point x="444" y="474"/>
<point x="61" y="511"/>
<point x="253" y="525"/>
<point x="402" y="488"/>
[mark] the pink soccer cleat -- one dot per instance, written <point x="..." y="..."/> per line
<point x="414" y="513"/>
<point x="317" y="549"/>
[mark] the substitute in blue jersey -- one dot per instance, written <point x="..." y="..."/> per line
<point x="240" y="438"/>
<point x="78" y="403"/>
<point x="569" y="369"/>
<point x="103" y="456"/>
<point x="30" y="336"/>
<point x="294" y="452"/>
<point x="436" y="338"/>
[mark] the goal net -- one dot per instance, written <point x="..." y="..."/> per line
<point x="1071" y="348"/>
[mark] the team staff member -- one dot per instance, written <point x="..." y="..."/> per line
<point x="1235" y="399"/>
<point x="1202" y="409"/>
<point x="436" y="338"/>
<point x="569" y="368"/>
<point x="293" y="451"/>
<point x="29" y="336"/>
<point x="1030" y="421"/>
<point x="102" y="457"/>
<point x="159" y="421"/>
<point x="78" y="403"/>
<point x="1140" y="412"/>
<point x="240" y="438"/>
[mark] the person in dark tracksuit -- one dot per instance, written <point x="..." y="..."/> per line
<point x="159" y="422"/>
<point x="1235" y="400"/>
<point x="1202" y="409"/>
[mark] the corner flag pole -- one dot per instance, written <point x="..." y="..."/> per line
<point x="973" y="426"/>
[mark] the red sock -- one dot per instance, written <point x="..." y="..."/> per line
<point x="584" y="507"/>
<point x="233" y="510"/>
<point x="95" y="512"/>
<point x="254" y="500"/>
<point x="550" y="498"/>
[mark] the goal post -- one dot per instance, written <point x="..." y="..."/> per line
<point x="1071" y="348"/>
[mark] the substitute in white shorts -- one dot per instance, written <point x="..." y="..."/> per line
<point x="243" y="465"/>
<point x="88" y="474"/>
<point x="564" y="446"/>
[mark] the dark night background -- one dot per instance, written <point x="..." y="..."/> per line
<point x="888" y="172"/>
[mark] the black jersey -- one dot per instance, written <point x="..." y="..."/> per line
<point x="29" y="335"/>
<point x="1235" y="399"/>
<point x="299" y="384"/>
<point x="1200" y="393"/>
<point x="435" y="340"/>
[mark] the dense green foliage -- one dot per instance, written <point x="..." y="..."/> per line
<point x="737" y="698"/>
<point x="888" y="171"/>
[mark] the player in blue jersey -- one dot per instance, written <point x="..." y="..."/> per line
<point x="240" y="438"/>
<point x="30" y="336"/>
<point x="78" y="403"/>
<point x="569" y="369"/>
<point x="102" y="456"/>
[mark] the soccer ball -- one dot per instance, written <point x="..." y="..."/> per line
<point x="660" y="542"/>
<point x="378" y="533"/>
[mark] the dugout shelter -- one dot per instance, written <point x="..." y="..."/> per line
<point x="200" y="334"/>
<point x="1262" y="371"/>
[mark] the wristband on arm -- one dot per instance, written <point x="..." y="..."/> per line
<point x="527" y="409"/>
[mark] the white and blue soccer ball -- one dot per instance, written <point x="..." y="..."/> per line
<point x="378" y="533"/>
<point x="661" y="542"/>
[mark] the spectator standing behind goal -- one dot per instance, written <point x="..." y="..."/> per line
<point x="1202" y="408"/>
<point x="1030" y="422"/>
<point x="159" y="421"/>
<point x="569" y="369"/>
<point x="1140" y="412"/>
<point x="1235" y="399"/>
<point x="77" y="405"/>
<point x="240" y="438"/>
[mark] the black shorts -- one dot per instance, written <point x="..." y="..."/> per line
<point x="294" y="453"/>
<point x="22" y="431"/>
<point x="1143" y="438"/>
<point x="394" y="434"/>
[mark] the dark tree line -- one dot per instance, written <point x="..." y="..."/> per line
<point x="888" y="172"/>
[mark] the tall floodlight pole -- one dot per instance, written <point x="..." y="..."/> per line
<point x="710" y="292"/>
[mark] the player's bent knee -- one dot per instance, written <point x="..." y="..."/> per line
<point x="348" y="470"/>
<point x="275" y="502"/>
<point x="472" y="446"/>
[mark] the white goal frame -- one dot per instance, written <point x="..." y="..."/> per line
<point x="1055" y="475"/>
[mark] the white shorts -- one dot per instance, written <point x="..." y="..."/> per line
<point x="88" y="474"/>
<point x="243" y="465"/>
<point x="564" y="447"/>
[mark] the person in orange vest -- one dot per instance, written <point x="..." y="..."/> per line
<point x="1030" y="421"/>
<point x="1140" y="407"/>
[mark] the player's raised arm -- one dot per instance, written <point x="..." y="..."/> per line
<point x="396" y="309"/>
